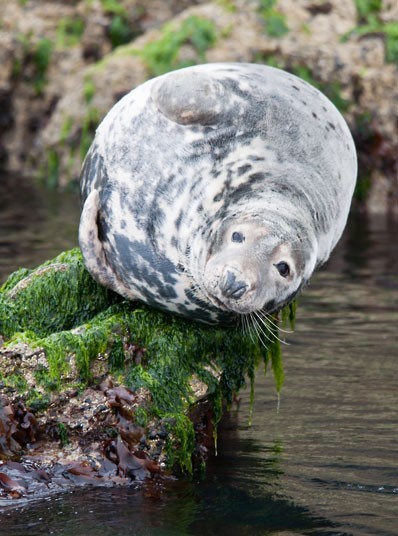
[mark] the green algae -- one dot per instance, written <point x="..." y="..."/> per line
<point x="63" y="434"/>
<point x="370" y="22"/>
<point x="37" y="56"/>
<point x="180" y="441"/>
<point x="59" y="309"/>
<point x="228" y="5"/>
<point x="69" y="32"/>
<point x="275" y="20"/>
<point x="37" y="401"/>
<point x="288" y="314"/>
<point x="15" y="381"/>
<point x="59" y="295"/>
<point x="162" y="55"/>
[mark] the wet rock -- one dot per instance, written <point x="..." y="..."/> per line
<point x="58" y="406"/>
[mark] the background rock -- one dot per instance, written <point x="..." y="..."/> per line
<point x="64" y="64"/>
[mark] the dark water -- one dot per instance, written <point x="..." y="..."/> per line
<point x="326" y="463"/>
<point x="35" y="224"/>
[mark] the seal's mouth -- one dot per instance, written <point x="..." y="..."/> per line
<point x="249" y="306"/>
<point x="219" y="304"/>
<point x="233" y="306"/>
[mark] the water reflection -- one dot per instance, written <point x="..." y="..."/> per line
<point x="35" y="224"/>
<point x="325" y="464"/>
<point x="338" y="419"/>
<point x="224" y="503"/>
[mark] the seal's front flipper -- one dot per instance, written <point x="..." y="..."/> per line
<point x="91" y="245"/>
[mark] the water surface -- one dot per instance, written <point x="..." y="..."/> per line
<point x="35" y="224"/>
<point x="326" y="463"/>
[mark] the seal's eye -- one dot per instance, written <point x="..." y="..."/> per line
<point x="283" y="268"/>
<point x="237" y="237"/>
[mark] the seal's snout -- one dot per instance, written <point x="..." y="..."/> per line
<point x="231" y="287"/>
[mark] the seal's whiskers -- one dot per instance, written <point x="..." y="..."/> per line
<point x="247" y="327"/>
<point x="273" y="321"/>
<point x="261" y="330"/>
<point x="271" y="329"/>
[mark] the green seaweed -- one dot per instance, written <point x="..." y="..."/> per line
<point x="141" y="416"/>
<point x="162" y="55"/>
<point x="275" y="21"/>
<point x="180" y="441"/>
<point x="289" y="315"/>
<point x="228" y="5"/>
<point x="63" y="434"/>
<point x="50" y="172"/>
<point x="391" y="32"/>
<point x="120" y="30"/>
<point x="37" y="401"/>
<point x="36" y="53"/>
<point x="66" y="130"/>
<point x="371" y="23"/>
<point x="43" y="379"/>
<point x="363" y="186"/>
<point x="275" y="354"/>
<point x="365" y="8"/>
<point x="69" y="32"/>
<point x="16" y="381"/>
<point x="43" y="301"/>
<point x="114" y="7"/>
<point x="268" y="59"/>
<point x="41" y="57"/>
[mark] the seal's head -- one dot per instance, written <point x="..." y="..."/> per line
<point x="251" y="267"/>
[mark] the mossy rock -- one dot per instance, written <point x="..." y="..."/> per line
<point x="60" y="310"/>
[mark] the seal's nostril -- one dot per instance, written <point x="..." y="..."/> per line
<point x="229" y="279"/>
<point x="230" y="287"/>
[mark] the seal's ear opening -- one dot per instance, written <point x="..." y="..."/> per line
<point x="91" y="244"/>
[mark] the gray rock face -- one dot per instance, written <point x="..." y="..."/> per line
<point x="48" y="134"/>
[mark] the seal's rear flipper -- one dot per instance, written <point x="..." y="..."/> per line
<point x="90" y="244"/>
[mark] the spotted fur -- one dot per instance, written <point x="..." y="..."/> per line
<point x="186" y="158"/>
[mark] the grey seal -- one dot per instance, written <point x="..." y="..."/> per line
<point x="215" y="191"/>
